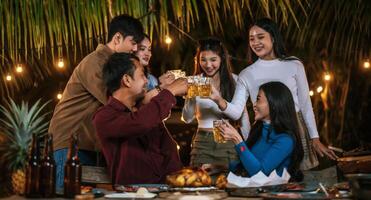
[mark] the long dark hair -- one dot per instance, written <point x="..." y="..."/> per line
<point x="225" y="70"/>
<point x="147" y="69"/>
<point x="283" y="120"/>
<point x="278" y="44"/>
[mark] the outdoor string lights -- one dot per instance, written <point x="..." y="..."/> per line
<point x="19" y="68"/>
<point x="319" y="89"/>
<point x="327" y="76"/>
<point x="311" y="93"/>
<point x="168" y="40"/>
<point x="8" y="77"/>
<point x="59" y="96"/>
<point x="366" y="64"/>
<point x="60" y="63"/>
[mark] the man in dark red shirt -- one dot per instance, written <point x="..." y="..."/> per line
<point x="136" y="144"/>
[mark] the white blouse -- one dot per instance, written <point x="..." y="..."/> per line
<point x="206" y="111"/>
<point x="291" y="73"/>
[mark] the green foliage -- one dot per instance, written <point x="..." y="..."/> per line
<point x="20" y="122"/>
<point x="43" y="30"/>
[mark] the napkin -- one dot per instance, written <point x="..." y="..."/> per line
<point x="258" y="180"/>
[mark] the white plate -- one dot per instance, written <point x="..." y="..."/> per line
<point x="193" y="189"/>
<point x="129" y="195"/>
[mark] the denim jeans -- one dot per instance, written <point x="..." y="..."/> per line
<point x="60" y="157"/>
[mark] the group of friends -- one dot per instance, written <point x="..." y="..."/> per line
<point x="114" y="105"/>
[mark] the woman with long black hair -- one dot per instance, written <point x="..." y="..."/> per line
<point x="274" y="141"/>
<point x="212" y="60"/>
<point x="271" y="63"/>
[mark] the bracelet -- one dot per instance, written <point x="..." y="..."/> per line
<point x="158" y="88"/>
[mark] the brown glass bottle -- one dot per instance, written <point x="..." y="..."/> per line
<point x="72" y="171"/>
<point x="48" y="170"/>
<point x="33" y="170"/>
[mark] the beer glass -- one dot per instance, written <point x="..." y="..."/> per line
<point x="178" y="73"/>
<point x="218" y="138"/>
<point x="204" y="87"/>
<point x="182" y="74"/>
<point x="192" y="87"/>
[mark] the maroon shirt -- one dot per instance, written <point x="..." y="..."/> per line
<point x="137" y="144"/>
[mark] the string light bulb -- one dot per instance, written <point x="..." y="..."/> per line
<point x="8" y="77"/>
<point x="59" y="96"/>
<point x="311" y="93"/>
<point x="19" y="68"/>
<point x="178" y="147"/>
<point x="168" y="40"/>
<point x="60" y="63"/>
<point x="319" y="89"/>
<point x="366" y="64"/>
<point x="327" y="77"/>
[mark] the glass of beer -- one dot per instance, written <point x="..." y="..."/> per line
<point x="175" y="72"/>
<point x="218" y="138"/>
<point x="182" y="74"/>
<point x="192" y="87"/>
<point x="178" y="73"/>
<point x="204" y="87"/>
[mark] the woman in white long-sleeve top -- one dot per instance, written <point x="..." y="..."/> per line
<point x="273" y="64"/>
<point x="212" y="60"/>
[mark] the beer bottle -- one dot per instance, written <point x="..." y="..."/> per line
<point x="48" y="169"/>
<point x="72" y="171"/>
<point x="33" y="170"/>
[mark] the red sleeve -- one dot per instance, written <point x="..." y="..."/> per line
<point x="111" y="123"/>
<point x="170" y="151"/>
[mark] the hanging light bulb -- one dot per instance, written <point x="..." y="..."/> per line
<point x="168" y="40"/>
<point x="319" y="89"/>
<point x="311" y="93"/>
<point x="59" y="96"/>
<point x="19" y="68"/>
<point x="60" y="63"/>
<point x="8" y="77"/>
<point x="178" y="147"/>
<point x="327" y="77"/>
<point x="366" y="64"/>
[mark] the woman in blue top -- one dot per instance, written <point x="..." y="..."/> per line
<point x="271" y="63"/>
<point x="274" y="142"/>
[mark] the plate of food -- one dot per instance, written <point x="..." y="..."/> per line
<point x="129" y="195"/>
<point x="141" y="193"/>
<point x="193" y="189"/>
<point x="189" y="177"/>
<point x="155" y="188"/>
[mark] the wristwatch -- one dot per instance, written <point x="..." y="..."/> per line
<point x="158" y="88"/>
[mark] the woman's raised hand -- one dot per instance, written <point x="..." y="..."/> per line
<point x="215" y="94"/>
<point x="217" y="98"/>
<point x="230" y="133"/>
